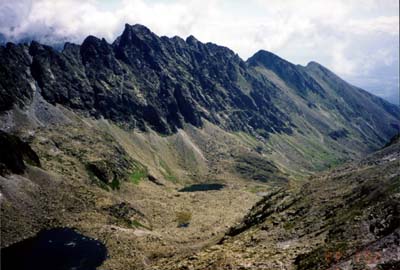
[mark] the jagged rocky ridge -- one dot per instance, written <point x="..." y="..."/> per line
<point x="251" y="125"/>
<point x="142" y="80"/>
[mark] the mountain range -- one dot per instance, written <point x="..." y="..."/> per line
<point x="103" y="137"/>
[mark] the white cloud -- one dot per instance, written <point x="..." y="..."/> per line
<point x="382" y="24"/>
<point x="354" y="38"/>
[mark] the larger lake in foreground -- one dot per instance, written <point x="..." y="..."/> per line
<point x="54" y="249"/>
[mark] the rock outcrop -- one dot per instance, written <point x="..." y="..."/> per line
<point x="145" y="81"/>
<point x="346" y="218"/>
<point x="14" y="154"/>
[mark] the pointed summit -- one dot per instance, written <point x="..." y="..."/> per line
<point x="137" y="30"/>
<point x="94" y="44"/>
<point x="266" y="59"/>
<point x="134" y="34"/>
<point x="191" y="40"/>
<point x="317" y="67"/>
<point x="292" y="74"/>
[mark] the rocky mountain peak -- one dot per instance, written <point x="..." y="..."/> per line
<point x="145" y="81"/>
<point x="132" y="34"/>
<point x="273" y="62"/>
<point x="293" y="75"/>
<point x="265" y="58"/>
<point x="93" y="47"/>
<point x="68" y="46"/>
<point x="104" y="117"/>
<point x="191" y="40"/>
<point x="317" y="67"/>
<point x="35" y="47"/>
<point x="312" y="64"/>
<point x="137" y="29"/>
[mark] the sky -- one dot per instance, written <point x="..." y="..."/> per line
<point x="357" y="39"/>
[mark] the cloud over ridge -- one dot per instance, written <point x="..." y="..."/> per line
<point x="357" y="39"/>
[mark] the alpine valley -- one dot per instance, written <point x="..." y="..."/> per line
<point x="178" y="154"/>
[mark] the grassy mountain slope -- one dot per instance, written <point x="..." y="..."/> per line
<point x="346" y="218"/>
<point x="116" y="130"/>
<point x="333" y="120"/>
<point x="156" y="83"/>
<point x="122" y="186"/>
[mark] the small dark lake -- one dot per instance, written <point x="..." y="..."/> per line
<point x="202" y="187"/>
<point x="54" y="249"/>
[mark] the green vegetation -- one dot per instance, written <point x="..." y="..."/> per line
<point x="263" y="133"/>
<point x="136" y="224"/>
<point x="105" y="174"/>
<point x="138" y="175"/>
<point x="289" y="225"/>
<point x="115" y="184"/>
<point x="251" y="166"/>
<point x="247" y="138"/>
<point x="183" y="218"/>
<point x="95" y="180"/>
<point x="167" y="173"/>
<point x="255" y="189"/>
<point x="313" y="153"/>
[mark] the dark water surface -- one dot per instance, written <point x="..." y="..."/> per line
<point x="55" y="249"/>
<point x="202" y="187"/>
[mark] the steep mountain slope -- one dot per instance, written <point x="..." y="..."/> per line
<point x="145" y="81"/>
<point x="104" y="137"/>
<point x="142" y="79"/>
<point x="347" y="218"/>
<point x="122" y="187"/>
<point x="332" y="117"/>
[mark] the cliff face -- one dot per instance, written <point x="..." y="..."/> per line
<point x="142" y="80"/>
<point x="84" y="154"/>
<point x="343" y="109"/>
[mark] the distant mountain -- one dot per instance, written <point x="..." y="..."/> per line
<point x="145" y="81"/>
<point x="394" y="99"/>
<point x="105" y="138"/>
<point x="2" y="39"/>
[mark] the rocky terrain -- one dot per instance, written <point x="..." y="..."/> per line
<point x="346" y="218"/>
<point x="148" y="82"/>
<point x="104" y="138"/>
